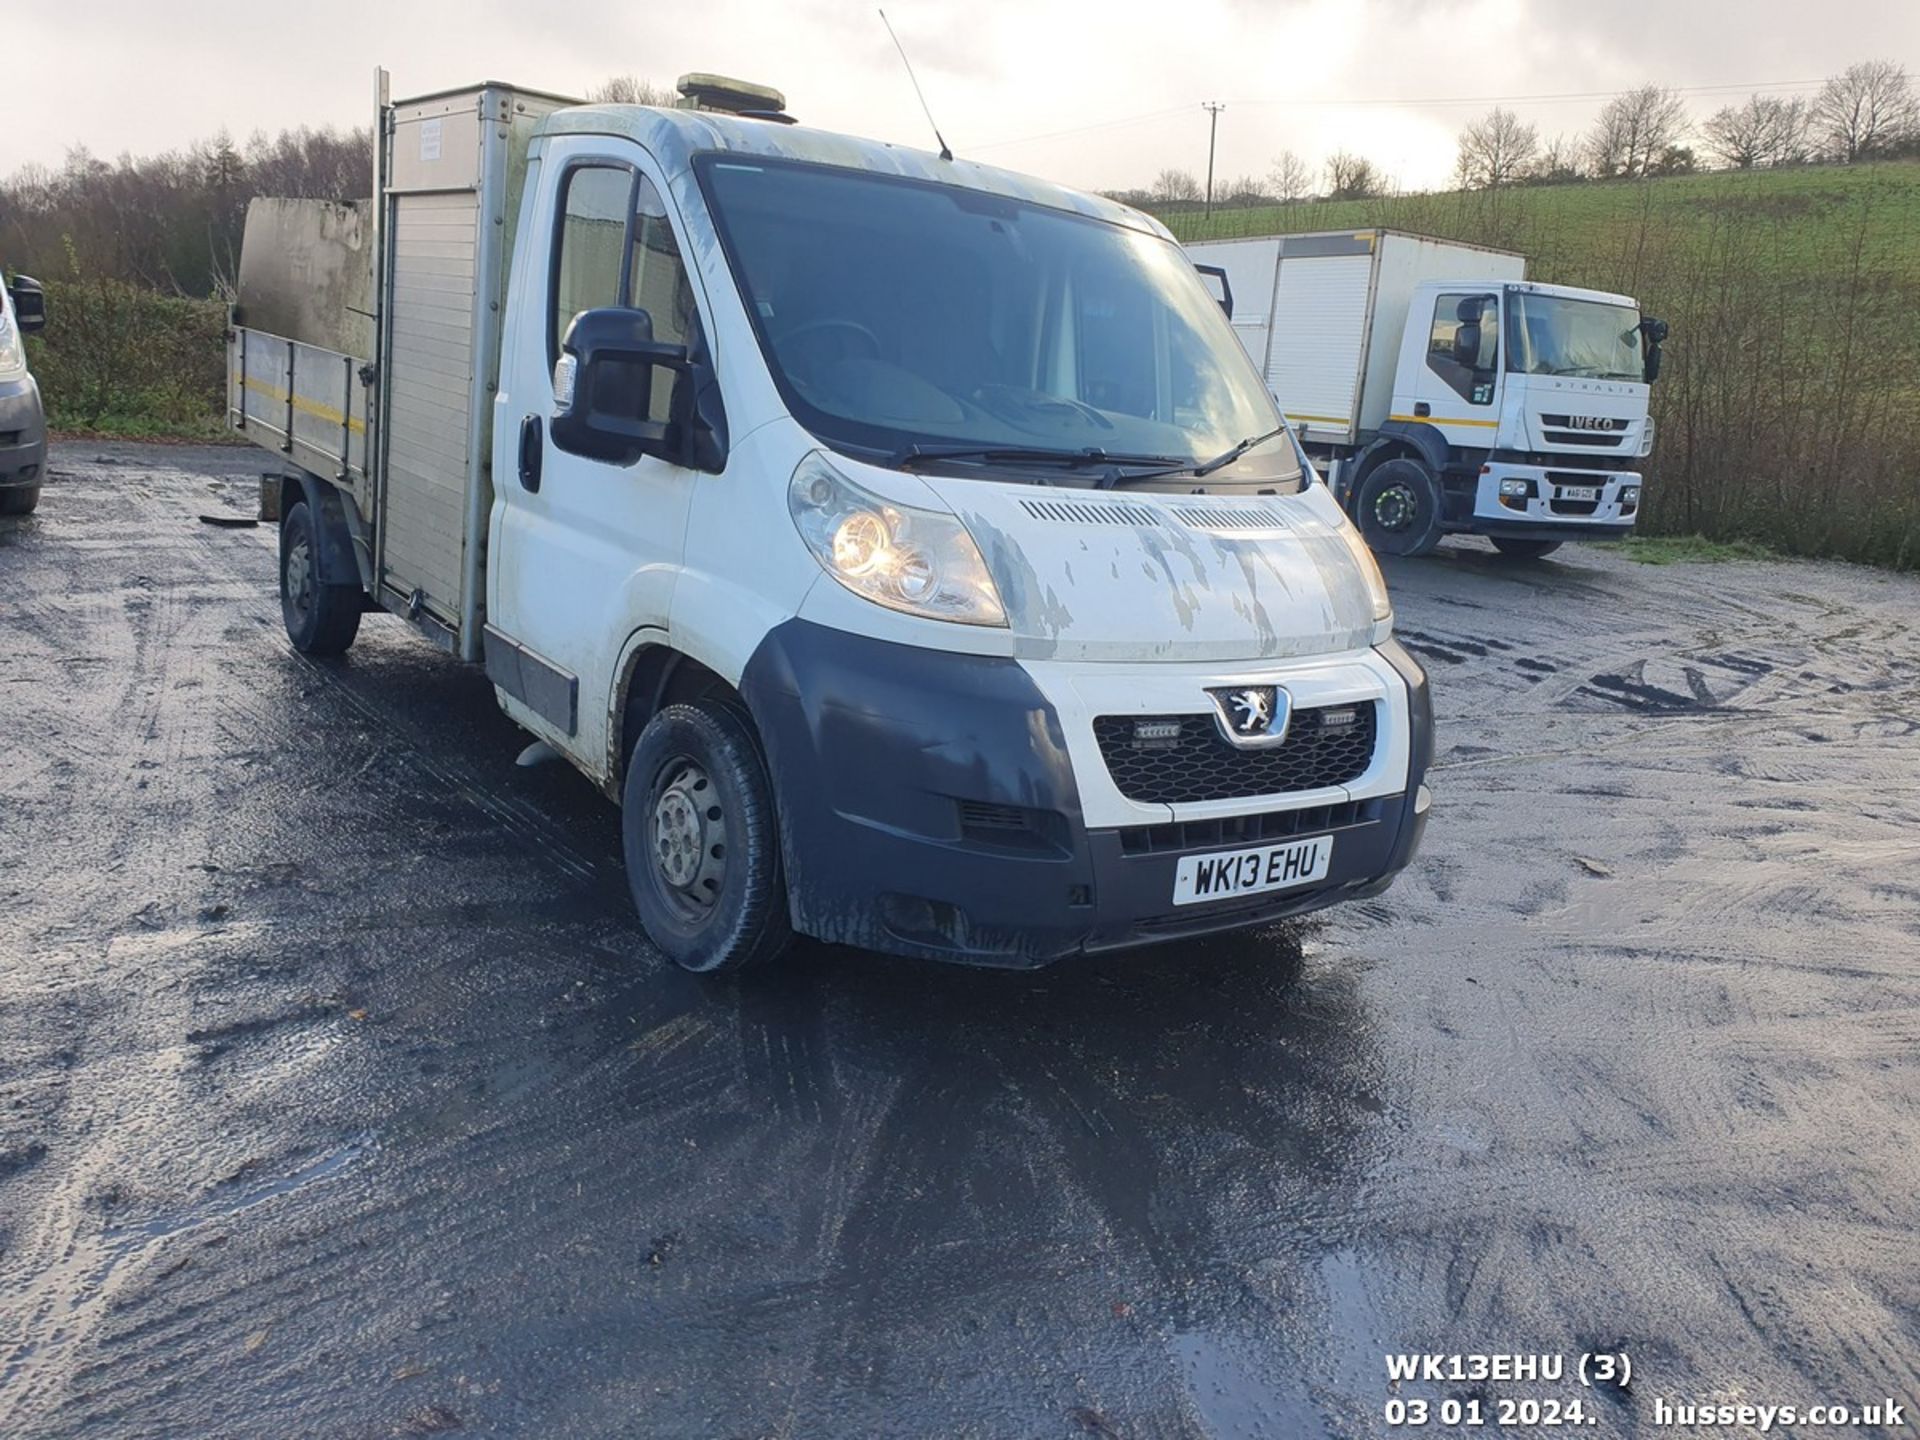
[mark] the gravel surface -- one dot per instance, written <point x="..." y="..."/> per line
<point x="341" y="1096"/>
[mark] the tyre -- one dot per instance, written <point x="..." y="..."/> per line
<point x="19" y="501"/>
<point x="1518" y="549"/>
<point x="321" y="619"/>
<point x="702" y="841"/>
<point x="1398" y="509"/>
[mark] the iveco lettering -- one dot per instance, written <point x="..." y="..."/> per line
<point x="908" y="547"/>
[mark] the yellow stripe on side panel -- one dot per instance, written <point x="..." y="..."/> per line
<point x="304" y="406"/>
<point x="1445" y="420"/>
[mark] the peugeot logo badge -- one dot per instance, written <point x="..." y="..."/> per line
<point x="1252" y="717"/>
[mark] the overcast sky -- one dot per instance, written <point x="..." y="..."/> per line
<point x="1099" y="95"/>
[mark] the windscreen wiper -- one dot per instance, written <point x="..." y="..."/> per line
<point x="1227" y="457"/>
<point x="1085" y="459"/>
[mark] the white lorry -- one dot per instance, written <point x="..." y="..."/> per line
<point x="1445" y="392"/>
<point x="907" y="546"/>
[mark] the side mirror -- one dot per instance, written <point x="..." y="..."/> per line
<point x="1653" y="332"/>
<point x="29" y="304"/>
<point x="603" y="387"/>
<point x="1225" y="297"/>
<point x="1466" y="346"/>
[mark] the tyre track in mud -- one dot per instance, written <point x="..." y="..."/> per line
<point x="339" y="1095"/>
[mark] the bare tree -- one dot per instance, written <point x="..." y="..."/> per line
<point x="1243" y="192"/>
<point x="629" y="90"/>
<point x="1766" y="130"/>
<point x="1175" y="187"/>
<point x="1290" y="178"/>
<point x="1558" y="162"/>
<point x="1634" y="130"/>
<point x="1496" y="150"/>
<point x="1351" y="177"/>
<point x="1866" y="110"/>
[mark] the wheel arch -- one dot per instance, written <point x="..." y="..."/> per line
<point x="652" y="673"/>
<point x="336" y="563"/>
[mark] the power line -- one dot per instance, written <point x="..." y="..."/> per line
<point x="1752" y="87"/>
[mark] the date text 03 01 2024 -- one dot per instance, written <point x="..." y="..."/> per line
<point x="1593" y="1368"/>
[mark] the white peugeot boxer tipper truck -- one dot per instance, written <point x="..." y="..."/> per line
<point x="1443" y="391"/>
<point x="907" y="546"/>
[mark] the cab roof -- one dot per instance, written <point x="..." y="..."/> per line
<point x="675" y="136"/>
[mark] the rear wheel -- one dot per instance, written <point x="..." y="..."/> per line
<point x="321" y="619"/>
<point x="19" y="501"/>
<point x="702" y="841"/>
<point x="1517" y="549"/>
<point x="1398" y="509"/>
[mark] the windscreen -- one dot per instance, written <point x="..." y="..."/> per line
<point x="1553" y="335"/>
<point x="896" y="312"/>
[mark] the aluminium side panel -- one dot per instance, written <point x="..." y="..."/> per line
<point x="456" y="165"/>
<point x="1322" y="297"/>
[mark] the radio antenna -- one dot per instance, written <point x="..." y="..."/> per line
<point x="946" y="152"/>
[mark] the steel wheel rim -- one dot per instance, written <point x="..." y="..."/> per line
<point x="688" y="835"/>
<point x="1394" y="507"/>
<point x="299" y="577"/>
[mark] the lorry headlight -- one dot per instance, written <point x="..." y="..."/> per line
<point x="1369" y="568"/>
<point x="1518" y="489"/>
<point x="1629" y="494"/>
<point x="1646" y="436"/>
<point x="919" y="561"/>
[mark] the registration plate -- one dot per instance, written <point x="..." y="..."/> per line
<point x="1248" y="872"/>
<point x="1579" y="492"/>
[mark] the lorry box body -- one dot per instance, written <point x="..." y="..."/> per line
<point x="836" y="508"/>
<point x="1356" y="332"/>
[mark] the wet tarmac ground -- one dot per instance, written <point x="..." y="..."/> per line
<point x="340" y="1095"/>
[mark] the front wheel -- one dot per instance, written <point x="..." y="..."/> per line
<point x="19" y="500"/>
<point x="321" y="619"/>
<point x="702" y="842"/>
<point x="1515" y="548"/>
<point x="1398" y="509"/>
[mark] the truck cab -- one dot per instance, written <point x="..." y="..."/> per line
<point x="1443" y="391"/>
<point x="905" y="545"/>
<point x="1537" y="396"/>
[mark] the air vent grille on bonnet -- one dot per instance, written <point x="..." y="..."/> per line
<point x="1225" y="518"/>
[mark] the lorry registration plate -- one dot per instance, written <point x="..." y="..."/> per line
<point x="1579" y="492"/>
<point x="1248" y="872"/>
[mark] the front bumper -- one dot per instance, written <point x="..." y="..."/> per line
<point x="1548" y="512"/>
<point x="23" y="434"/>
<point x="929" y="807"/>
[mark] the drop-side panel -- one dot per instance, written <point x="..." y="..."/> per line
<point x="1319" y="336"/>
<point x="430" y="396"/>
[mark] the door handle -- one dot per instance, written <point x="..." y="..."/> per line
<point x="532" y="449"/>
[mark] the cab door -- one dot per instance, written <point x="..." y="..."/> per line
<point x="583" y="552"/>
<point x="1454" y="380"/>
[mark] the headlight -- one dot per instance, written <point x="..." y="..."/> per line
<point x="1518" y="489"/>
<point x="1369" y="568"/>
<point x="1646" y="437"/>
<point x="13" y="354"/>
<point x="920" y="561"/>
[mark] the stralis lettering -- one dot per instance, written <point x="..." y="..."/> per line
<point x="1458" y="1368"/>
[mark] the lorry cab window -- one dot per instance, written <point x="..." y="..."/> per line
<point x="1561" y="335"/>
<point x="1463" y="347"/>
<point x="895" y="312"/>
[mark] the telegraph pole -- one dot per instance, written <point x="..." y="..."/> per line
<point x="1213" y="109"/>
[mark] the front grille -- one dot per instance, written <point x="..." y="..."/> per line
<point x="1187" y="760"/>
<point x="1572" y="507"/>
<point x="1584" y="437"/>
<point x="1179" y="836"/>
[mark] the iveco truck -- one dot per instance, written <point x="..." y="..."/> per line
<point x="1446" y="393"/>
<point x="908" y="547"/>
